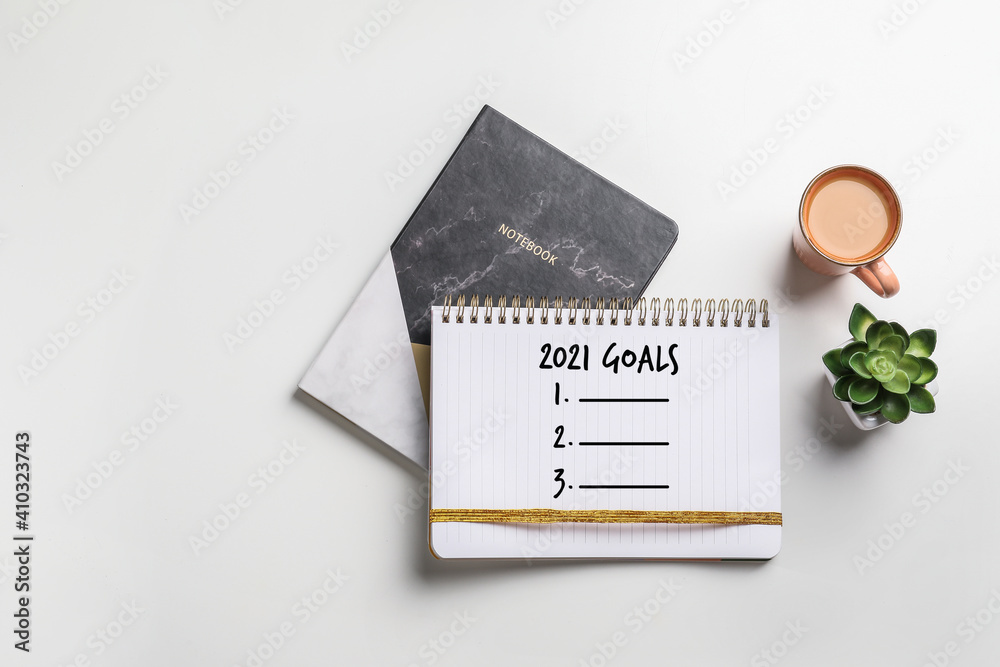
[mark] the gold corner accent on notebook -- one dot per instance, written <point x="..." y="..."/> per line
<point x="422" y="358"/>
<point x="544" y="515"/>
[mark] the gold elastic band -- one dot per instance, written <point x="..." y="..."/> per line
<point x="543" y="515"/>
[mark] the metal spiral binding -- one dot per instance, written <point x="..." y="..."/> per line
<point x="446" y="310"/>
<point x="559" y="310"/>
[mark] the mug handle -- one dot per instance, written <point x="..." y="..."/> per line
<point x="879" y="278"/>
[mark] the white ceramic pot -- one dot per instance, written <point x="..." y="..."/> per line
<point x="867" y="422"/>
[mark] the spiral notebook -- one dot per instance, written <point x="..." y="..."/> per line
<point x="572" y="429"/>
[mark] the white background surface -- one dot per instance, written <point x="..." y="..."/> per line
<point x="335" y="507"/>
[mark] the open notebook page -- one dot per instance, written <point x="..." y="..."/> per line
<point x="536" y="416"/>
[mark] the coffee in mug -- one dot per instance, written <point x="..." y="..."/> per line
<point x="849" y="218"/>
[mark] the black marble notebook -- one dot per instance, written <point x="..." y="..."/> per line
<point x="508" y="214"/>
<point x="512" y="214"/>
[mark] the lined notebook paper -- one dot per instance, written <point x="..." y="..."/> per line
<point x="670" y="415"/>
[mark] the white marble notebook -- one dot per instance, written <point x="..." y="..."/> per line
<point x="571" y="432"/>
<point x="508" y="212"/>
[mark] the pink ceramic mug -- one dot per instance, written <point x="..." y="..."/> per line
<point x="849" y="218"/>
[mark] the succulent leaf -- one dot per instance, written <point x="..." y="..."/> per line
<point x="920" y="400"/>
<point x="871" y="407"/>
<point x="861" y="319"/>
<point x="857" y="364"/>
<point x="928" y="371"/>
<point x="842" y="386"/>
<point x="911" y="366"/>
<point x="832" y="361"/>
<point x="863" y="390"/>
<point x="894" y="344"/>
<point x="896" y="408"/>
<point x="901" y="332"/>
<point x="877" y="332"/>
<point x="922" y="343"/>
<point x="849" y="351"/>
<point x="899" y="384"/>
<point x="881" y="364"/>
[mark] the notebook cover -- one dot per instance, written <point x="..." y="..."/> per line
<point x="508" y="214"/>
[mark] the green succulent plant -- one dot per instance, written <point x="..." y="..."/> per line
<point x="884" y="369"/>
